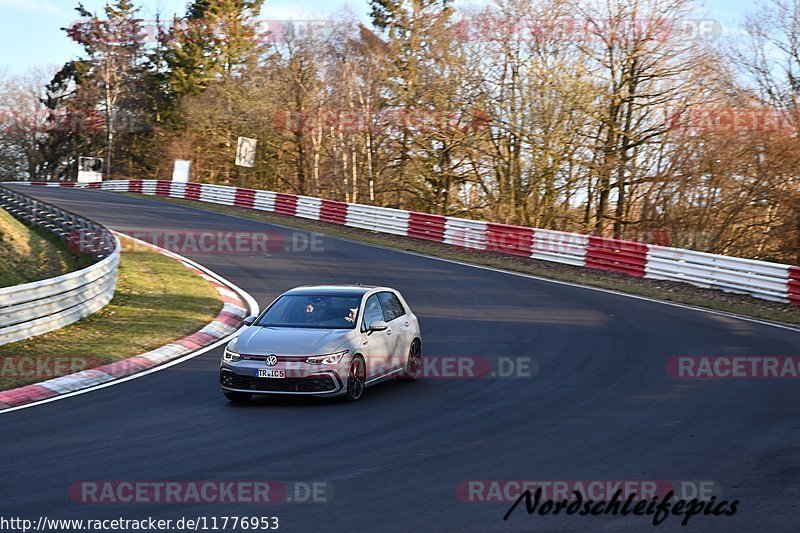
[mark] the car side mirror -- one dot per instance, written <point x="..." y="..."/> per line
<point x="249" y="321"/>
<point x="378" y="325"/>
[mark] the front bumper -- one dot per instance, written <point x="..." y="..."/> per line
<point x="301" y="378"/>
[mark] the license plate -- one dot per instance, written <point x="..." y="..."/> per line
<point x="270" y="373"/>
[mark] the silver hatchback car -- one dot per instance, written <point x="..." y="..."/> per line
<point x="324" y="341"/>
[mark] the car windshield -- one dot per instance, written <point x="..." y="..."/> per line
<point x="310" y="311"/>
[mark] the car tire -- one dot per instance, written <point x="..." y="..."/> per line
<point x="356" y="379"/>
<point x="414" y="363"/>
<point x="238" y="397"/>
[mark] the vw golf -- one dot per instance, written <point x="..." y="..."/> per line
<point x="324" y="341"/>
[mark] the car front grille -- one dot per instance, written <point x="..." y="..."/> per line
<point x="316" y="383"/>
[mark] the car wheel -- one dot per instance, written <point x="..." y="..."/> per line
<point x="356" y="379"/>
<point x="238" y="397"/>
<point x="414" y="363"/>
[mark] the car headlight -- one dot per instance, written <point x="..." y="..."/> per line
<point x="330" y="359"/>
<point x="230" y="356"/>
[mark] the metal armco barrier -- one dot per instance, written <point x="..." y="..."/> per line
<point x="35" y="308"/>
<point x="771" y="281"/>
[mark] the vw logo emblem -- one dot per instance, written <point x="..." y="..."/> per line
<point x="272" y="360"/>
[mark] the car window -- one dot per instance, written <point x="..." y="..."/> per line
<point x="392" y="308"/>
<point x="372" y="311"/>
<point x="312" y="311"/>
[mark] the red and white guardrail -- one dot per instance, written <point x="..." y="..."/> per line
<point x="771" y="281"/>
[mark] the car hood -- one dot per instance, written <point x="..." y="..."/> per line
<point x="257" y="340"/>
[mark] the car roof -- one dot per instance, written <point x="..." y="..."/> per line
<point x="334" y="290"/>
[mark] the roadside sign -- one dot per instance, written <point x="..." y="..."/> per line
<point x="246" y="152"/>
<point x="180" y="172"/>
<point x="90" y="169"/>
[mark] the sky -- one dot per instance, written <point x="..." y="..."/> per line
<point x="30" y="35"/>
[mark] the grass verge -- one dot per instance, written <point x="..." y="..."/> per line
<point x="661" y="290"/>
<point x="28" y="254"/>
<point x="158" y="300"/>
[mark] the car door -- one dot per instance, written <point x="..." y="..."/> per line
<point x="375" y="344"/>
<point x="398" y="333"/>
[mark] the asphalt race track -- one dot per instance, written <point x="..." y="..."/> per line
<point x="601" y="407"/>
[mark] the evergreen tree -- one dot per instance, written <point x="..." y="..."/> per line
<point x="108" y="79"/>
<point x="216" y="38"/>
